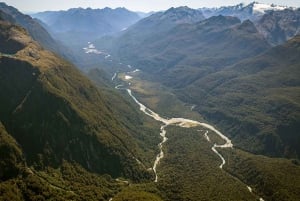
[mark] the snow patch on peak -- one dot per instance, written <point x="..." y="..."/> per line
<point x="262" y="8"/>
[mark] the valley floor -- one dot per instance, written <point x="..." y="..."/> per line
<point x="190" y="166"/>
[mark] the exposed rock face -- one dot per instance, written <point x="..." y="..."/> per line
<point x="279" y="26"/>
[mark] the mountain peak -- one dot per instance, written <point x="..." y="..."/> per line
<point x="183" y="14"/>
<point x="252" y="11"/>
<point x="223" y="20"/>
<point x="180" y="8"/>
<point x="89" y="9"/>
<point x="263" y="8"/>
<point x="248" y="27"/>
<point x="87" y="24"/>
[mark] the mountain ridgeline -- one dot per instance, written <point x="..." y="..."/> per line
<point x="234" y="72"/>
<point x="83" y="25"/>
<point x="276" y="23"/>
<point x="35" y="29"/>
<point x="216" y="63"/>
<point x="255" y="100"/>
<point x="277" y="27"/>
<point x="57" y="114"/>
<point x="252" y="11"/>
<point x="199" y="43"/>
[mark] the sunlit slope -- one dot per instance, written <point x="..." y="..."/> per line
<point x="256" y="101"/>
<point x="55" y="113"/>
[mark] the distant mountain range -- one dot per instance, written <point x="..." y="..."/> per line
<point x="252" y="11"/>
<point x="65" y="137"/>
<point x="184" y="55"/>
<point x="38" y="32"/>
<point x="53" y="116"/>
<point x="276" y="23"/>
<point x="73" y="108"/>
<point x="78" y="25"/>
<point x="204" y="42"/>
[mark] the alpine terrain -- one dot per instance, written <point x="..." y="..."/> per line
<point x="180" y="104"/>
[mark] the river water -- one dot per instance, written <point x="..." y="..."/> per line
<point x="181" y="122"/>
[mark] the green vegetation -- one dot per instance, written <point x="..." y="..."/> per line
<point x="11" y="156"/>
<point x="35" y="29"/>
<point x="190" y="170"/>
<point x="66" y="127"/>
<point x="204" y="46"/>
<point x="255" y="101"/>
<point x="158" y="97"/>
<point x="272" y="178"/>
<point x="56" y="114"/>
<point x="144" y="129"/>
<point x="69" y="182"/>
<point x="139" y="192"/>
<point x="229" y="71"/>
<point x="64" y="138"/>
<point x="10" y="46"/>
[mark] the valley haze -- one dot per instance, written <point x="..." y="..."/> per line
<point x="31" y="6"/>
<point x="111" y="101"/>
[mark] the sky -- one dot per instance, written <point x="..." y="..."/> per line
<point x="134" y="5"/>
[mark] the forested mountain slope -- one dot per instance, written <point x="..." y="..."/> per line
<point x="229" y="70"/>
<point x="208" y="44"/>
<point x="36" y="31"/>
<point x="256" y="100"/>
<point x="56" y="114"/>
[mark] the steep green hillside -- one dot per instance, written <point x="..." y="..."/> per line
<point x="194" y="51"/>
<point x="69" y="182"/>
<point x="272" y="178"/>
<point x="56" y="114"/>
<point x="36" y="31"/>
<point x="213" y="64"/>
<point x="10" y="154"/>
<point x="64" y="137"/>
<point x="256" y="101"/>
